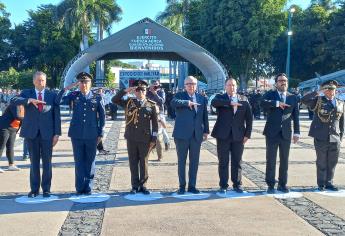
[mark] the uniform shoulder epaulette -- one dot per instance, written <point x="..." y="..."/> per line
<point x="243" y="98"/>
<point x="150" y="101"/>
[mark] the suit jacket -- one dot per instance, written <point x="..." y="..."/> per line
<point x="8" y="116"/>
<point x="88" y="118"/>
<point x="141" y="120"/>
<point x="187" y="122"/>
<point x="335" y="116"/>
<point x="279" y="120"/>
<point x="47" y="122"/>
<point x="228" y="123"/>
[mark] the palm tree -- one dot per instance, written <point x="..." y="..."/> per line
<point x="174" y="18"/>
<point x="76" y="15"/>
<point x="174" y="15"/>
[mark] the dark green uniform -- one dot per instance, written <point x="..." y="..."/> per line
<point x="327" y="129"/>
<point x="141" y="129"/>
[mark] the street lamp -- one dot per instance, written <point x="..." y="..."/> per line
<point x="289" y="34"/>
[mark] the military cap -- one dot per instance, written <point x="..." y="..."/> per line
<point x="84" y="76"/>
<point x="140" y="83"/>
<point x="329" y="84"/>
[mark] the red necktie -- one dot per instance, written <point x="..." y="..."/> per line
<point x="40" y="105"/>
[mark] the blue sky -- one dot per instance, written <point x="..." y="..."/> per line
<point x="133" y="10"/>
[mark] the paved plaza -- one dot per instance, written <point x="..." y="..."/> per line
<point x="306" y="213"/>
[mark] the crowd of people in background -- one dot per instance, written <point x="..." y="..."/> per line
<point x="146" y="107"/>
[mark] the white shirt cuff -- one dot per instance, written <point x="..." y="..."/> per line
<point x="277" y="103"/>
<point x="297" y="135"/>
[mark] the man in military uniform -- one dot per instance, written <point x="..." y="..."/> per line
<point x="141" y="131"/>
<point x="327" y="129"/>
<point x="86" y="129"/>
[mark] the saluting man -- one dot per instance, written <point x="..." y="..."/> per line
<point x="327" y="129"/>
<point x="86" y="129"/>
<point x="141" y="132"/>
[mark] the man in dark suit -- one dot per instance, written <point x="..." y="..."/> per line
<point x="86" y="129"/>
<point x="281" y="108"/>
<point x="191" y="128"/>
<point x="141" y="132"/>
<point x="327" y="129"/>
<point x="41" y="128"/>
<point x="232" y="130"/>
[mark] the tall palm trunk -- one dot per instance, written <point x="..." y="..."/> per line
<point x="100" y="63"/>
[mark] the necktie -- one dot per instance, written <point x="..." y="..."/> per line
<point x="40" y="106"/>
<point x="193" y="107"/>
<point x="282" y="97"/>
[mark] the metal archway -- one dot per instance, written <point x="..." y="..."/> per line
<point x="146" y="39"/>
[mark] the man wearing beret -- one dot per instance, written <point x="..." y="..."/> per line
<point x="140" y="133"/>
<point x="327" y="129"/>
<point x="86" y="129"/>
<point x="281" y="108"/>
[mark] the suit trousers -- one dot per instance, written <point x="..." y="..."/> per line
<point x="40" y="149"/>
<point x="84" y="152"/>
<point x="138" y="155"/>
<point x="327" y="155"/>
<point x="225" y="148"/>
<point x="272" y="145"/>
<point x="183" y="146"/>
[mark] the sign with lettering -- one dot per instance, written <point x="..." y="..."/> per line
<point x="146" y="42"/>
<point x="127" y="77"/>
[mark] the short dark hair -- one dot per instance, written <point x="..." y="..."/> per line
<point x="278" y="75"/>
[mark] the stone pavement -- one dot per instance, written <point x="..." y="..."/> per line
<point x="312" y="214"/>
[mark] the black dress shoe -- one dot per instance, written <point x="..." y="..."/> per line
<point x="32" y="194"/>
<point x="193" y="190"/>
<point x="321" y="188"/>
<point x="270" y="189"/>
<point x="87" y="192"/>
<point x="46" y="194"/>
<point x="134" y="191"/>
<point x="222" y="190"/>
<point x="79" y="193"/>
<point x="144" y="190"/>
<point x="166" y="146"/>
<point x="283" y="188"/>
<point x="181" y="191"/>
<point x="331" y="187"/>
<point x="238" y="189"/>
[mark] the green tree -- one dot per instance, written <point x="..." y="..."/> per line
<point x="336" y="40"/>
<point x="239" y="32"/>
<point x="46" y="47"/>
<point x="5" y="47"/>
<point x="309" y="53"/>
<point x="174" y="15"/>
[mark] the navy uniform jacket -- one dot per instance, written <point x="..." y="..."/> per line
<point x="187" y="123"/>
<point x="279" y="120"/>
<point x="88" y="118"/>
<point x="47" y="122"/>
<point x="141" y="120"/>
<point x="333" y="117"/>
<point x="238" y="124"/>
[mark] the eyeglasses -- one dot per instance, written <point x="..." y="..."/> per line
<point x="190" y="84"/>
